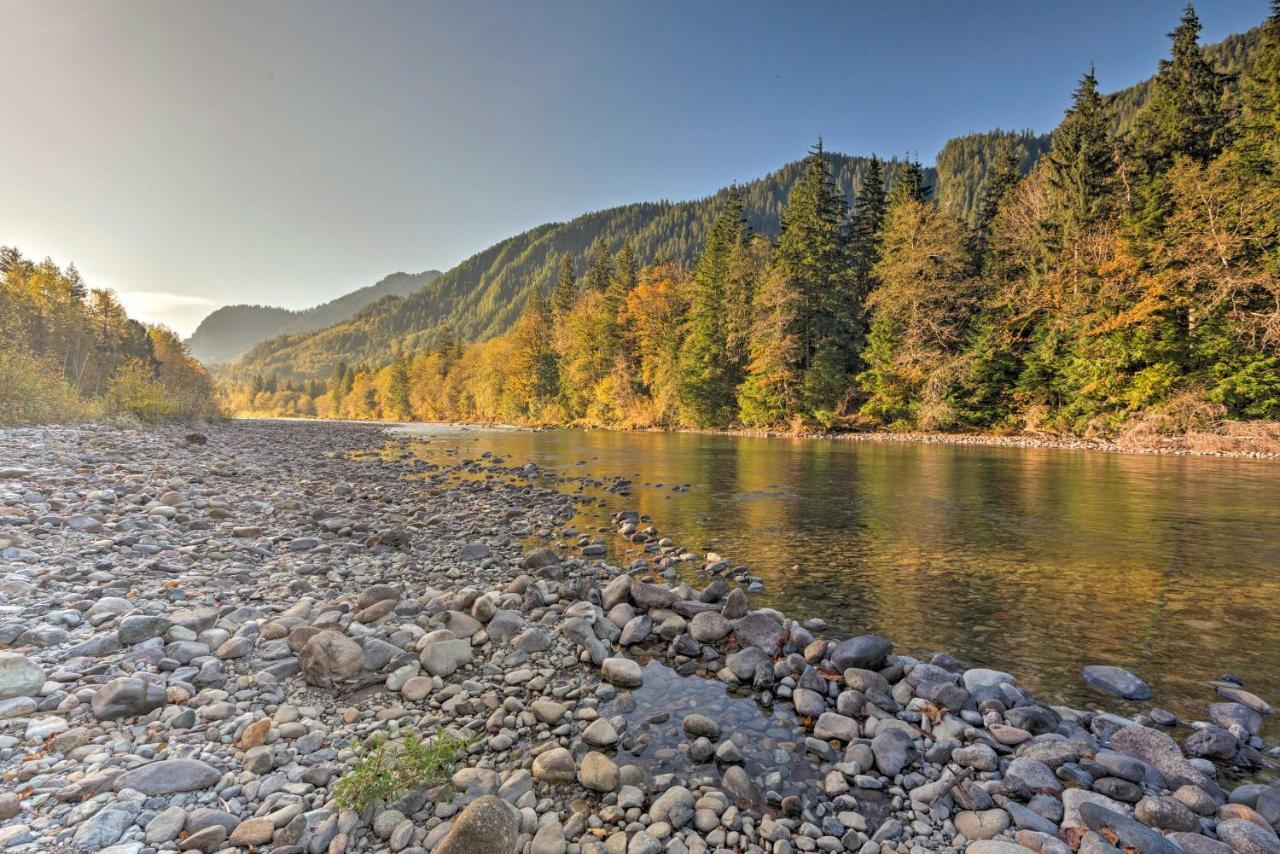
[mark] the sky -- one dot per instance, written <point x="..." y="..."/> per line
<point x="193" y="154"/>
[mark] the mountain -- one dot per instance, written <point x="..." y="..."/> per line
<point x="229" y="332"/>
<point x="483" y="295"/>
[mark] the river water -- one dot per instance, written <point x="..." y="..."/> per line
<point x="1034" y="561"/>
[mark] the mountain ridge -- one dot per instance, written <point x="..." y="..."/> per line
<point x="228" y="332"/>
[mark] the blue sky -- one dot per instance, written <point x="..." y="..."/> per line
<point x="191" y="154"/>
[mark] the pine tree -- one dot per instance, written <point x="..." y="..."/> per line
<point x="869" y="209"/>
<point x="1185" y="113"/>
<point x="1259" y="141"/>
<point x="398" y="386"/>
<point x="599" y="268"/>
<point x="565" y="290"/>
<point x="1005" y="175"/>
<point x="622" y="277"/>
<point x="709" y="373"/>
<point x="811" y="315"/>
<point x="1081" y="164"/>
<point x="909" y="183"/>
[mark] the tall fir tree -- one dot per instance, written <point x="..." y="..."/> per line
<point x="398" y="387"/>
<point x="1186" y="112"/>
<point x="709" y="372"/>
<point x="1259" y="137"/>
<point x="565" y="290"/>
<point x="869" y="209"/>
<point x="622" y="277"/>
<point x="1005" y="174"/>
<point x="810" y="315"/>
<point x="909" y="183"/>
<point x="1082" y="165"/>
<point x="599" y="268"/>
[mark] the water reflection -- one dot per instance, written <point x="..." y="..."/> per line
<point x="1034" y="561"/>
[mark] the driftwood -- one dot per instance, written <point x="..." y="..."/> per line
<point x="956" y="780"/>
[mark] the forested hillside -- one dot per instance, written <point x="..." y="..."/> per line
<point x="229" y="332"/>
<point x="1129" y="283"/>
<point x="68" y="352"/>
<point x="483" y="295"/>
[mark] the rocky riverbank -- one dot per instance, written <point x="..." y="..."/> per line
<point x="199" y="634"/>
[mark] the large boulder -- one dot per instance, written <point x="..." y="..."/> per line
<point x="19" y="676"/>
<point x="126" y="697"/>
<point x="330" y="657"/>
<point x="487" y="826"/>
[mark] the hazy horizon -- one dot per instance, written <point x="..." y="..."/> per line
<point x="193" y="155"/>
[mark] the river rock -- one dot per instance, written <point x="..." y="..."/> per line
<point x="709" y="627"/>
<point x="126" y="697"/>
<point x="1247" y="837"/>
<point x="487" y="826"/>
<point x="598" y="773"/>
<point x="1116" y="682"/>
<point x="982" y="825"/>
<point x="893" y="751"/>
<point x="444" y="657"/>
<point x="167" y="776"/>
<point x="622" y="672"/>
<point x="759" y="630"/>
<point x="19" y="676"/>
<point x="330" y="657"/>
<point x="1159" y="750"/>
<point x="867" y="652"/>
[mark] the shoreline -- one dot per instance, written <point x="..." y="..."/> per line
<point x="295" y="594"/>
<point x="1174" y="446"/>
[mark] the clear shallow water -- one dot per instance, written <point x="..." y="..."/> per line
<point x="1035" y="561"/>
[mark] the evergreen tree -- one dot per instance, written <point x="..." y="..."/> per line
<point x="398" y="387"/>
<point x="869" y="209"/>
<point x="811" y="317"/>
<point x="533" y="378"/>
<point x="599" y="268"/>
<point x="1005" y="175"/>
<point x="565" y="290"/>
<point x="622" y="277"/>
<point x="709" y="373"/>
<point x="1081" y="165"/>
<point x="909" y="183"/>
<point x="1185" y="113"/>
<point x="920" y="317"/>
<point x="1259" y="141"/>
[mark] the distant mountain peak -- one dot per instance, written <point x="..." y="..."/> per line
<point x="231" y="331"/>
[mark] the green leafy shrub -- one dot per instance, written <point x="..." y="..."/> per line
<point x="34" y="391"/>
<point x="385" y="770"/>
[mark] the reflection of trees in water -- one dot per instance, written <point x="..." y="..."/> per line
<point x="1036" y="561"/>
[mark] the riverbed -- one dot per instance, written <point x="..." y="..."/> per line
<point x="1034" y="560"/>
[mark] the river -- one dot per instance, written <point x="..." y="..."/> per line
<point x="1034" y="561"/>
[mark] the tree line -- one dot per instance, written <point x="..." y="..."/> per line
<point x="1128" y="280"/>
<point x="69" y="352"/>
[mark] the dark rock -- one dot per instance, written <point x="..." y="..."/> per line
<point x="867" y="652"/>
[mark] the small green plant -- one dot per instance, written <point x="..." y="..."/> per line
<point x="386" y="770"/>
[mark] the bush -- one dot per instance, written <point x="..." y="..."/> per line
<point x="386" y="770"/>
<point x="134" y="390"/>
<point x="33" y="391"/>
